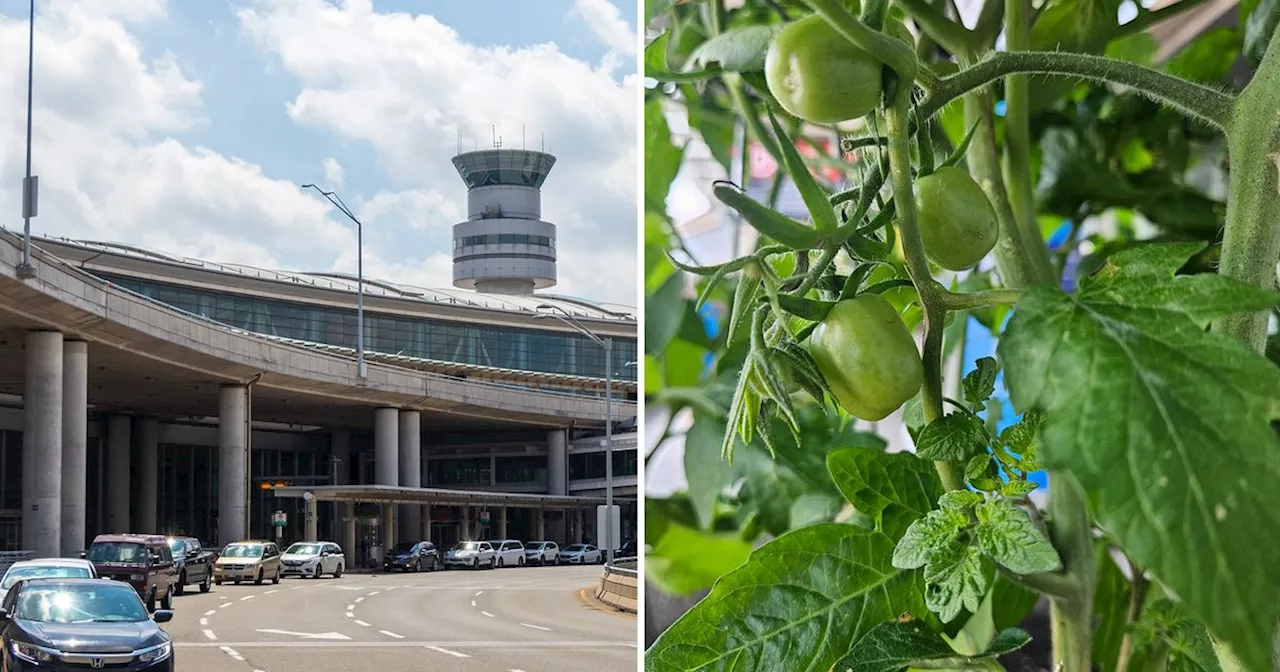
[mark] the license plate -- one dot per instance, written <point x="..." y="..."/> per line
<point x="136" y="577"/>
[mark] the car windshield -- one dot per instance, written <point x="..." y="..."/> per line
<point x="576" y="547"/>
<point x="533" y="546"/>
<point x="242" y="551"/>
<point x="402" y="547"/>
<point x="16" y="574"/>
<point x="178" y="547"/>
<point x="117" y="551"/>
<point x="467" y="546"/>
<point x="105" y="602"/>
<point x="303" y="549"/>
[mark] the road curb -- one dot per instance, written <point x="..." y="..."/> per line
<point x="588" y="598"/>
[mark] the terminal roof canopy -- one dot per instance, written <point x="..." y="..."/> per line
<point x="519" y="167"/>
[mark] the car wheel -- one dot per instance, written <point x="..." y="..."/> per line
<point x="257" y="580"/>
<point x="151" y="601"/>
<point x="276" y="579"/>
<point x="493" y="563"/>
<point x="475" y="562"/>
<point x="218" y="582"/>
<point x="337" y="573"/>
<point x="557" y="561"/>
<point x="316" y="574"/>
<point x="237" y="582"/>
<point x="167" y="602"/>
<point x="521" y="561"/>
<point x="182" y="584"/>
<point x="204" y="585"/>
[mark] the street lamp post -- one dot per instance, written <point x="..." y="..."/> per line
<point x="336" y="200"/>
<point x="30" y="185"/>
<point x="607" y="344"/>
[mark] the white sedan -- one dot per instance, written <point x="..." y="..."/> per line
<point x="473" y="554"/>
<point x="581" y="554"/>
<point x="46" y="568"/>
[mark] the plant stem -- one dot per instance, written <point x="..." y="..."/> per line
<point x="1201" y="102"/>
<point x="895" y="54"/>
<point x="1137" y="595"/>
<point x="1017" y="135"/>
<point x="873" y="13"/>
<point x="986" y="297"/>
<point x="1251" y="242"/>
<point x="1071" y="618"/>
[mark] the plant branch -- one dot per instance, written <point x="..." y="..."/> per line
<point x="1017" y="125"/>
<point x="1137" y="595"/>
<point x="953" y="36"/>
<point x="896" y="54"/>
<point x="1071" y="618"/>
<point x="1251" y="241"/>
<point x="1200" y="102"/>
<point x="1055" y="584"/>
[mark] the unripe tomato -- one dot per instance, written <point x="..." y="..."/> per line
<point x="867" y="357"/>
<point x="957" y="223"/>
<point x="819" y="76"/>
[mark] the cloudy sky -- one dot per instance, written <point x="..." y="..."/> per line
<point x="186" y="126"/>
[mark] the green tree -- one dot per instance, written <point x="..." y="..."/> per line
<point x="1144" y="388"/>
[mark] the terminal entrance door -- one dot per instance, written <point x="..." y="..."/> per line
<point x="369" y="541"/>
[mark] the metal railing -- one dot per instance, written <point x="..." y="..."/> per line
<point x="619" y="584"/>
<point x="7" y="558"/>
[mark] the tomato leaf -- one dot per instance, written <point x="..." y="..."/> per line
<point x="894" y="647"/>
<point x="1209" y="58"/>
<point x="685" y="560"/>
<point x="1007" y="535"/>
<point x="980" y="383"/>
<point x="955" y="581"/>
<point x="1262" y="22"/>
<point x="661" y="158"/>
<point x="739" y="49"/>
<point x="895" y="490"/>
<point x="1189" y="644"/>
<point x="1167" y="426"/>
<point x="955" y="437"/>
<point x="800" y="602"/>
<point x="705" y="466"/>
<point x="928" y="537"/>
<point x="1110" y="610"/>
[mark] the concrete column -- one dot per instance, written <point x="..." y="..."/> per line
<point x="541" y="522"/>
<point x="388" y="527"/>
<point x="466" y="524"/>
<point x="232" y="468"/>
<point x="493" y="470"/>
<point x="386" y="446"/>
<point x="148" y="474"/>
<point x="426" y="522"/>
<point x="340" y="448"/>
<point x="502" y="522"/>
<point x="42" y="444"/>
<point x="75" y="460"/>
<point x="119" y="452"/>
<point x="410" y="472"/>
<point x="312" y="515"/>
<point x="577" y="526"/>
<point x="349" y="535"/>
<point x="558" y="462"/>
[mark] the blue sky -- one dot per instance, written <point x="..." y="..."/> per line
<point x="249" y="97"/>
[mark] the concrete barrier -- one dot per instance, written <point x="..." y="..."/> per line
<point x="619" y="585"/>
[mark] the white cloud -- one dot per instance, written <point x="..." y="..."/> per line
<point x="333" y="172"/>
<point x="606" y="23"/>
<point x="107" y="113"/>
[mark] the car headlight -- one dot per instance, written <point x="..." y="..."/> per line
<point x="32" y="653"/>
<point x="155" y="653"/>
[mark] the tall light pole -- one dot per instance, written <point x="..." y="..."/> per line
<point x="30" y="184"/>
<point x="607" y="344"/>
<point x="342" y="207"/>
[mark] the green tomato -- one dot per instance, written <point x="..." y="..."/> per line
<point x="819" y="76"/>
<point x="867" y="357"/>
<point x="957" y="223"/>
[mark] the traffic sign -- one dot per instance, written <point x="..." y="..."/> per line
<point x="279" y="519"/>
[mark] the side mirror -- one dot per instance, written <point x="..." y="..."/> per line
<point x="162" y="615"/>
<point x="84" y="555"/>
<point x="4" y="615"/>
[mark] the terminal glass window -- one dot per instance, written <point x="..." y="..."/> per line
<point x="465" y="471"/>
<point x="440" y="340"/>
<point x="526" y="469"/>
<point x="590" y="466"/>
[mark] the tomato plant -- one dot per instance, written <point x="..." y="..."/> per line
<point x="1122" y="216"/>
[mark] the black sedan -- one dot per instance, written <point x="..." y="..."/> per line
<point x="76" y="624"/>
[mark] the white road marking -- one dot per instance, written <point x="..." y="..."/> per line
<point x="351" y="614"/>
<point x="391" y="634"/>
<point x="515" y="670"/>
<point x="209" y="633"/>
<point x="307" y="635"/>
<point x="362" y="623"/>
<point x="487" y="614"/>
<point x="211" y="612"/>
<point x="224" y="605"/>
<point x="247" y="597"/>
<point x="224" y="597"/>
<point x="358" y="600"/>
<point x="473" y="603"/>
<point x="536" y="627"/>
<point x="233" y="653"/>
<point x="519" y="645"/>
<point x="204" y="621"/>
<point x="374" y="593"/>
<point x="443" y="650"/>
<point x="479" y="593"/>
<point x="351" y="607"/>
<point x="272" y="591"/>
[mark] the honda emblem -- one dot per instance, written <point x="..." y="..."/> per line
<point x="97" y="663"/>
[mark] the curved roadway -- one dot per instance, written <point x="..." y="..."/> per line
<point x="527" y="619"/>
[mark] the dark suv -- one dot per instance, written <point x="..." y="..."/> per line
<point x="193" y="563"/>
<point x="413" y="556"/>
<point x="144" y="561"/>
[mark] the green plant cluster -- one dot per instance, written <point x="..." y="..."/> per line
<point x="1144" y="387"/>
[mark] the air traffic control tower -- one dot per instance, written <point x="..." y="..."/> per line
<point x="504" y="247"/>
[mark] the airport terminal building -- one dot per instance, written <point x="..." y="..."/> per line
<point x="140" y="392"/>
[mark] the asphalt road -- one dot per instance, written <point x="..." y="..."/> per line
<point x="530" y="619"/>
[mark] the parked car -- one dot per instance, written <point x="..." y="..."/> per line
<point x="413" y="556"/>
<point x="313" y="559"/>
<point x="66" y="624"/>
<point x="144" y="561"/>
<point x="509" y="552"/>
<point x="473" y="554"/>
<point x="581" y="554"/>
<point x="254" y="561"/>
<point x="194" y="564"/>
<point x="46" y="568"/>
<point x="628" y="550"/>
<point x="541" y="553"/>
